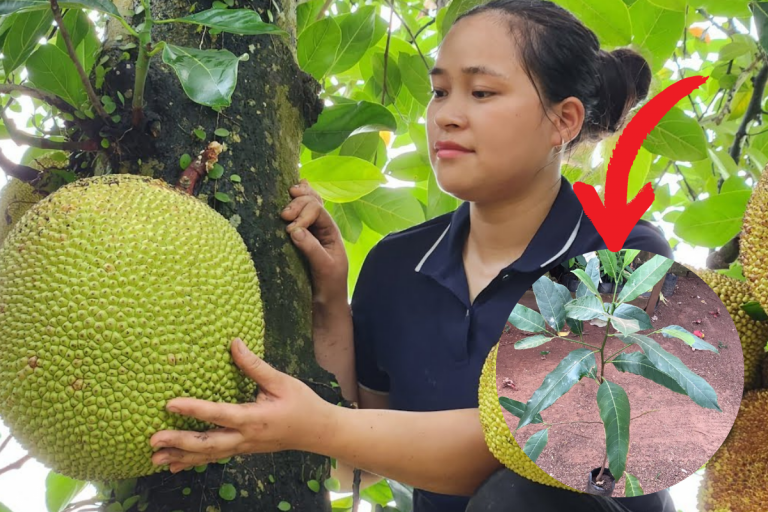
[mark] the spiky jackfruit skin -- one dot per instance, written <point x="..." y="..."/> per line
<point x="734" y="479"/>
<point x="16" y="197"/>
<point x="753" y="244"/>
<point x="498" y="435"/>
<point x="117" y="294"/>
<point x="753" y="335"/>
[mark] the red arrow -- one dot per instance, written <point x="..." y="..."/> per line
<point x="616" y="219"/>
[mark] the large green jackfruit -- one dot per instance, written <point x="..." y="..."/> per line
<point x="734" y="479"/>
<point x="498" y="435"/>
<point x="753" y="244"/>
<point x="753" y="334"/>
<point x="117" y="294"/>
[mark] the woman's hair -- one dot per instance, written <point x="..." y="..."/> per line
<point x="565" y="58"/>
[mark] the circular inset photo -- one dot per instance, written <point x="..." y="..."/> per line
<point x="621" y="373"/>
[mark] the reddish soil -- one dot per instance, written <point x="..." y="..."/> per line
<point x="666" y="446"/>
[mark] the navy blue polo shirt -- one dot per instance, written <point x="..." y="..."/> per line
<point x="418" y="337"/>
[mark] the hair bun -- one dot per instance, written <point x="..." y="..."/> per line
<point x="625" y="80"/>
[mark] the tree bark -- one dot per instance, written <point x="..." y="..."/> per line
<point x="273" y="103"/>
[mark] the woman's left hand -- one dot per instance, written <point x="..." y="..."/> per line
<point x="287" y="415"/>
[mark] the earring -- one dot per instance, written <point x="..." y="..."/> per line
<point x="562" y="143"/>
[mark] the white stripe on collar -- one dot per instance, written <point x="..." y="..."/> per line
<point x="560" y="253"/>
<point x="567" y="244"/>
<point x="418" y="267"/>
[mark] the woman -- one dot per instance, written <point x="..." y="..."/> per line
<point x="516" y="83"/>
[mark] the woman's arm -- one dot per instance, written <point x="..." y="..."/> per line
<point x="442" y="451"/>
<point x="334" y="348"/>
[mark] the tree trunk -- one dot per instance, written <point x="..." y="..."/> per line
<point x="273" y="103"/>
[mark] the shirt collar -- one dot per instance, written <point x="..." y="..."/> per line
<point x="547" y="247"/>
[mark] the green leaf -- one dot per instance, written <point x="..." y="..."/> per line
<point x="760" y="13"/>
<point x="678" y="137"/>
<point x="185" y="160"/>
<point x="342" y="179"/>
<point x="200" y="134"/>
<point x="737" y="8"/>
<point x="394" y="79"/>
<point x="645" y="278"/>
<point x="336" y="123"/>
<point x="688" y="337"/>
<point x="713" y="221"/>
<point x="675" y="5"/>
<point x="356" y="37"/>
<point x="415" y="77"/>
<point x="585" y="308"/>
<point x="332" y="484"/>
<point x="105" y="6"/>
<point x="216" y="172"/>
<point x="115" y="507"/>
<point x="130" y="502"/>
<point x="639" y="364"/>
<point x="526" y="319"/>
<point x="244" y="22"/>
<point x="695" y="387"/>
<point x="408" y="166"/>
<point x="386" y="210"/>
<point x="3" y="508"/>
<point x="284" y="505"/>
<point x="551" y="299"/>
<point x="208" y="77"/>
<point x="532" y="342"/>
<point x="593" y="271"/>
<point x="517" y="408"/>
<point x="568" y="372"/>
<point x="536" y="444"/>
<point x="438" y="202"/>
<point x="609" y="263"/>
<point x="577" y="326"/>
<point x="657" y="30"/>
<point x="755" y="311"/>
<point x="53" y="71"/>
<point x="454" y="9"/>
<point x="378" y="493"/>
<point x="78" y="26"/>
<point x="613" y="403"/>
<point x="346" y="218"/>
<point x="586" y="279"/>
<point x="221" y="132"/>
<point x="630" y="312"/>
<point x="632" y="486"/>
<point x="60" y="490"/>
<point x="609" y="19"/>
<point x="23" y="37"/>
<point x="624" y="325"/>
<point x="228" y="492"/>
<point x="317" y="46"/>
<point x="629" y="256"/>
<point x="314" y="485"/>
<point x="221" y="196"/>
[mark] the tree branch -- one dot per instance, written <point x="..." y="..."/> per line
<point x="23" y="173"/>
<point x="15" y="465"/>
<point x="73" y="55"/>
<point x="727" y="254"/>
<point x="49" y="98"/>
<point x="690" y="190"/>
<point x="753" y="111"/>
<point x="22" y="138"/>
<point x="402" y="21"/>
<point x="5" y="443"/>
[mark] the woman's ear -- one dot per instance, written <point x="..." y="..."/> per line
<point x="569" y="118"/>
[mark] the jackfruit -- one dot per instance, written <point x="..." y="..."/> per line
<point x="16" y="197"/>
<point x="734" y="479"/>
<point x="753" y="244"/>
<point x="753" y="335"/>
<point x="117" y="294"/>
<point x="498" y="436"/>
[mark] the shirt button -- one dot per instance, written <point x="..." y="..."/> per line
<point x="505" y="277"/>
<point x="467" y="314"/>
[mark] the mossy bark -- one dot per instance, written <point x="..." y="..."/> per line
<point x="273" y="104"/>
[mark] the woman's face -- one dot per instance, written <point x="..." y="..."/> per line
<point x="499" y="118"/>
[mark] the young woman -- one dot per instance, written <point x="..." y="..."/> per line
<point x="516" y="83"/>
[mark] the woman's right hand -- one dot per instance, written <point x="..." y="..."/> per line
<point x="314" y="232"/>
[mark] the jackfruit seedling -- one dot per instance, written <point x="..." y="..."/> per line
<point x="734" y="479"/>
<point x="117" y="294"/>
<point x="753" y="244"/>
<point x="498" y="436"/>
<point x="753" y="334"/>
